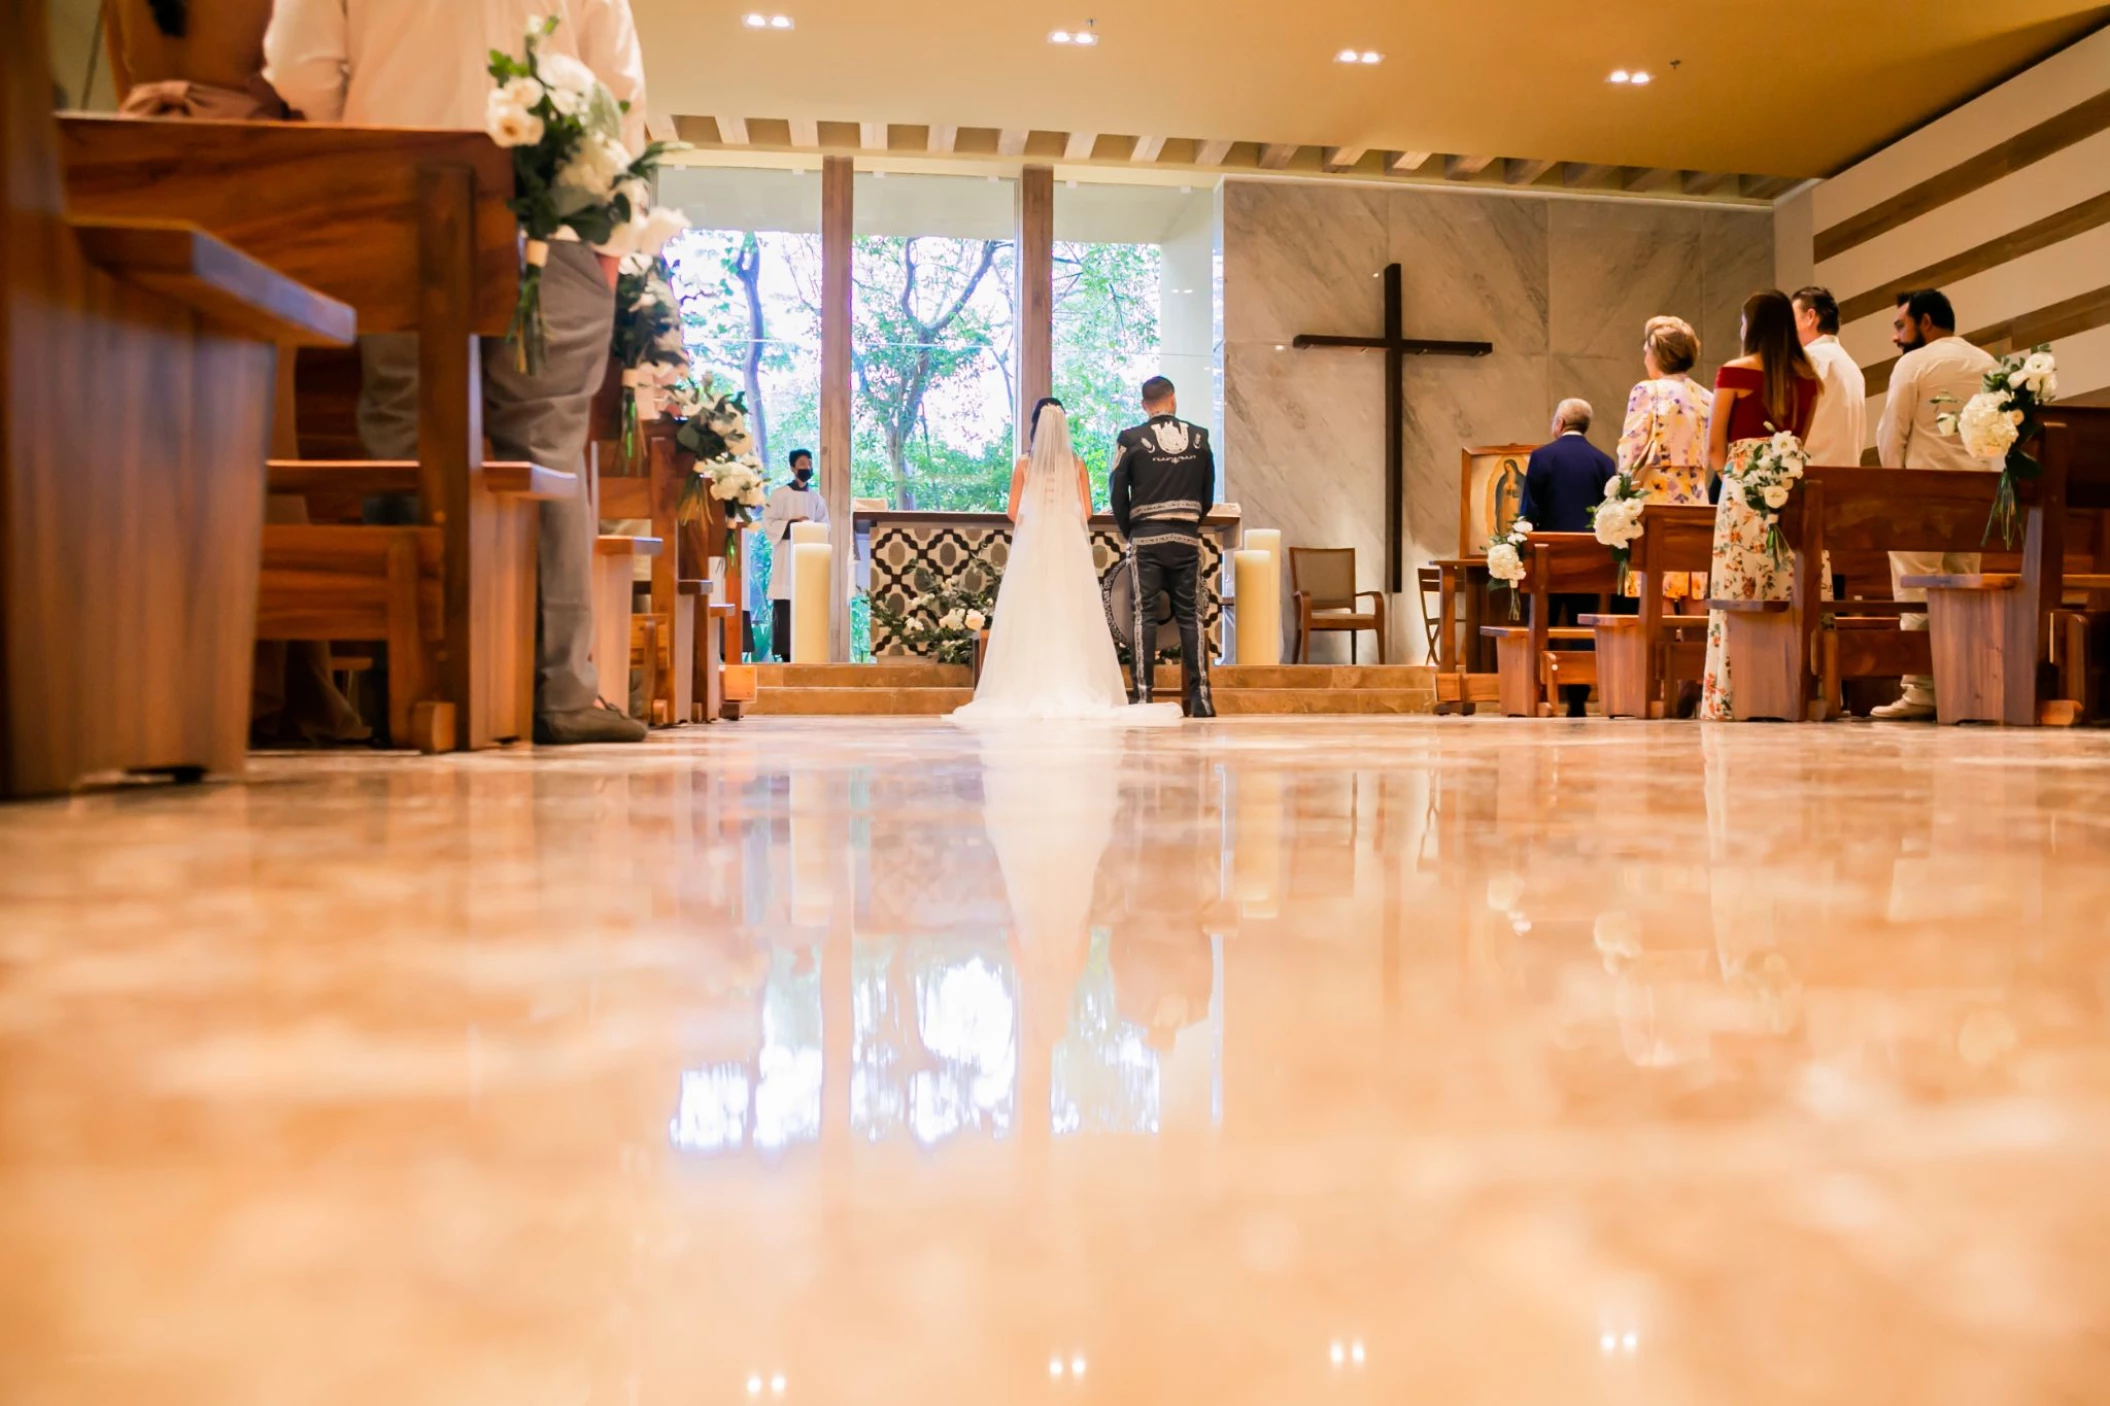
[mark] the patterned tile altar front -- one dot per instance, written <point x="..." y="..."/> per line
<point x="1285" y="1060"/>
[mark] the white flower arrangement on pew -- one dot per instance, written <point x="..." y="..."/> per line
<point x="1617" y="520"/>
<point x="1505" y="560"/>
<point x="647" y="344"/>
<point x="2002" y="418"/>
<point x="1767" y="484"/>
<point x="714" y="429"/>
<point x="571" y="171"/>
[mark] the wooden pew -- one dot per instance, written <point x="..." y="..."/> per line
<point x="137" y="362"/>
<point x="1556" y="563"/>
<point x="1641" y="656"/>
<point x="411" y="229"/>
<point x="1789" y="658"/>
<point x="2077" y="447"/>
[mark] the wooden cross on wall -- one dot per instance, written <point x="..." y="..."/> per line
<point x="1397" y="348"/>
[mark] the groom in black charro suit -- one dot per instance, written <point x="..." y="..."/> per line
<point x="1164" y="483"/>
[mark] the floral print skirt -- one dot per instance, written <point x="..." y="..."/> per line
<point x="1743" y="570"/>
<point x="1683" y="486"/>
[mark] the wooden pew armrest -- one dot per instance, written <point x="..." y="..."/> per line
<point x="509" y="477"/>
<point x="524" y="480"/>
<point x="185" y="263"/>
<point x="694" y="588"/>
<point x="1750" y="607"/>
<point x="2003" y="581"/>
<point x="610" y="545"/>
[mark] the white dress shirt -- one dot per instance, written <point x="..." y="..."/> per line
<point x="1839" y="431"/>
<point x="1907" y="437"/>
<point x="788" y="505"/>
<point x="424" y="63"/>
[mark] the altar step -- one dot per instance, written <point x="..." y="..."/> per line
<point x="916" y="689"/>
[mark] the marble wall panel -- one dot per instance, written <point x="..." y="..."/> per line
<point x="1737" y="259"/>
<point x="1614" y="266"/>
<point x="1604" y="381"/>
<point x="1473" y="267"/>
<point x="1299" y="258"/>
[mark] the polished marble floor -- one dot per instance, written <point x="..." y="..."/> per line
<point x="1273" y="1061"/>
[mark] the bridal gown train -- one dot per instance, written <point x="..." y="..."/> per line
<point x="1051" y="656"/>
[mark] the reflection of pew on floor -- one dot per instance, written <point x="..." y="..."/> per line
<point x="134" y="422"/>
<point x="1526" y="665"/>
<point x="410" y="228"/>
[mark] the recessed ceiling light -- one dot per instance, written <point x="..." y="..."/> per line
<point x="1348" y="56"/>
<point x="1060" y="36"/>
<point x="1372" y="56"/>
<point x="1619" y="75"/>
<point x="758" y="21"/>
<point x="1641" y="77"/>
<point x="1087" y="38"/>
<point x="780" y="21"/>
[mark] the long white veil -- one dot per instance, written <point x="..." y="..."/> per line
<point x="1051" y="655"/>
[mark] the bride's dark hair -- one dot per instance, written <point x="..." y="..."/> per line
<point x="1033" y="425"/>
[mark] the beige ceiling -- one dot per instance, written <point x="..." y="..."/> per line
<point x="1788" y="88"/>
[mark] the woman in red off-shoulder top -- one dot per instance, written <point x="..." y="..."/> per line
<point x="1773" y="387"/>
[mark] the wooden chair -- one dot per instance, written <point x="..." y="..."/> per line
<point x="1789" y="658"/>
<point x="411" y="229"/>
<point x="1641" y="657"/>
<point x="1528" y="669"/>
<point x="1429" y="579"/>
<point x="1323" y="593"/>
<point x="135" y="418"/>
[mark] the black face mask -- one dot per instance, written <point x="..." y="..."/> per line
<point x="802" y="477"/>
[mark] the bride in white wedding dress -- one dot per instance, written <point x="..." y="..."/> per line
<point x="1051" y="655"/>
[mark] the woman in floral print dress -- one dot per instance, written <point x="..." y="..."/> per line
<point x="1663" y="448"/>
<point x="1772" y="387"/>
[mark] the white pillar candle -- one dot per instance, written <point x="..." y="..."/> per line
<point x="805" y="532"/>
<point x="811" y="565"/>
<point x="1264" y="539"/>
<point x="1258" y="585"/>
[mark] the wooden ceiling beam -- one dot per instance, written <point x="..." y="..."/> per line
<point x="1464" y="168"/>
<point x="1341" y="158"/>
<point x="1079" y="146"/>
<point x="1399" y="163"/>
<point x="942" y="140"/>
<point x="1011" y="141"/>
<point x="1645" y="177"/>
<point x="1211" y="153"/>
<point x="806" y="133"/>
<point x="1577" y="174"/>
<point x="1147" y="149"/>
<point x="1703" y="182"/>
<point x="1276" y="155"/>
<point x="732" y="131"/>
<point x="1518" y="172"/>
<point x="1766" y="187"/>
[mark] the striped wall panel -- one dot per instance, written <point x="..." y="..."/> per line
<point x="2003" y="203"/>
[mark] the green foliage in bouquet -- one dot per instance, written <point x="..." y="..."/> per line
<point x="942" y="621"/>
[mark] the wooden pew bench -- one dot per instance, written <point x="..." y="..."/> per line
<point x="1526" y="664"/>
<point x="1641" y="658"/>
<point x="411" y="229"/>
<point x="134" y="425"/>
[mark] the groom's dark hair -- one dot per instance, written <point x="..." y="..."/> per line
<point x="1157" y="390"/>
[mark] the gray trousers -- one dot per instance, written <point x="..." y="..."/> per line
<point x="542" y="419"/>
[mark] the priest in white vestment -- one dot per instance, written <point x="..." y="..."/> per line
<point x="796" y="501"/>
<point x="1839" y="431"/>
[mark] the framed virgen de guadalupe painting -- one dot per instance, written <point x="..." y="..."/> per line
<point x="1490" y="493"/>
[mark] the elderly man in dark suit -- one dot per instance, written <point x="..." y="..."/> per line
<point x="1564" y="480"/>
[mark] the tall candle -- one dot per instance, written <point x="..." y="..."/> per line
<point x="1258" y="583"/>
<point x="803" y="532"/>
<point x="1264" y="539"/>
<point x="812" y="566"/>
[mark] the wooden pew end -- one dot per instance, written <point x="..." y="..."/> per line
<point x="432" y="726"/>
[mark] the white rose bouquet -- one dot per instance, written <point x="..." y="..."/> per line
<point x="1996" y="423"/>
<point x="1505" y="560"/>
<point x="1617" y="520"/>
<point x="647" y="344"/>
<point x="571" y="170"/>
<point x="941" y="622"/>
<point x="1767" y="482"/>
<point x="714" y="429"/>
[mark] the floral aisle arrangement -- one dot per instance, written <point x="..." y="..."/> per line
<point x="1505" y="561"/>
<point x="2000" y="420"/>
<point x="942" y="623"/>
<point x="648" y="344"/>
<point x="1617" y="520"/>
<point x="571" y="171"/>
<point x="714" y="429"/>
<point x="1767" y="482"/>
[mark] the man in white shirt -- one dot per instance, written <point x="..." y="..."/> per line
<point x="795" y="501"/>
<point x="1840" y="430"/>
<point x="422" y="63"/>
<point x="1935" y="365"/>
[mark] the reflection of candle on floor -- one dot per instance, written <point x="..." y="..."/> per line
<point x="812" y="893"/>
<point x="1258" y="582"/>
<point x="1256" y="840"/>
<point x="812" y="566"/>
